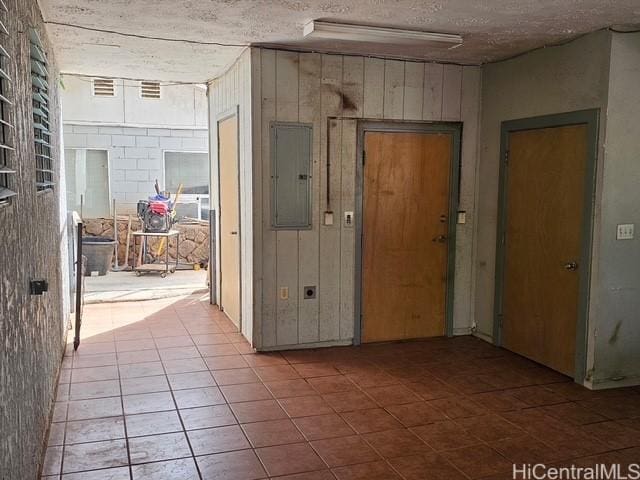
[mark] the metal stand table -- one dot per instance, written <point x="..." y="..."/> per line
<point x="163" y="268"/>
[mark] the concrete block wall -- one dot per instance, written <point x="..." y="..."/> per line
<point x="136" y="155"/>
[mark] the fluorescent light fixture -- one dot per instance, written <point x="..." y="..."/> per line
<point x="362" y="33"/>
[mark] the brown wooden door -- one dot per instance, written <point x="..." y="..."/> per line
<point x="229" y="219"/>
<point x="405" y="227"/>
<point x="544" y="215"/>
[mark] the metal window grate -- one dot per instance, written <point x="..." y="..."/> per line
<point x="104" y="87"/>
<point x="150" y="89"/>
<point x="41" y="118"/>
<point x="6" y="106"/>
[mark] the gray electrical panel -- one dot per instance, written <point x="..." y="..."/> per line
<point x="291" y="159"/>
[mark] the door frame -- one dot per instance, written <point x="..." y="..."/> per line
<point x="590" y="118"/>
<point x="226" y="115"/>
<point x="453" y="128"/>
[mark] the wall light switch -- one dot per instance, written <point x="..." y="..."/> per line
<point x="625" y="231"/>
<point x="462" y="217"/>
<point x="328" y="218"/>
<point x="348" y="219"/>
<point x="284" y="293"/>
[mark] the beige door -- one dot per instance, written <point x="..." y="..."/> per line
<point x="229" y="219"/>
<point x="544" y="215"/>
<point x="405" y="226"/>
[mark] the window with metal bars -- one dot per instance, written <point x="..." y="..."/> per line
<point x="6" y="104"/>
<point x="150" y="90"/>
<point x="41" y="117"/>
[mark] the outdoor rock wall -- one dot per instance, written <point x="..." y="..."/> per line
<point x="194" y="239"/>
<point x="32" y="328"/>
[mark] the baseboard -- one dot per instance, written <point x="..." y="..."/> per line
<point x="301" y="346"/>
<point x="607" y="383"/>
<point x="462" y="331"/>
<point x="483" y="336"/>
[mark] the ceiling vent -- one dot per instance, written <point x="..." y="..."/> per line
<point x="104" y="87"/>
<point x="150" y="90"/>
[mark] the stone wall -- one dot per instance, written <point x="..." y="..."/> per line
<point x="194" y="239"/>
<point x="32" y="328"/>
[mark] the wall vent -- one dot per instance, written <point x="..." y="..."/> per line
<point x="150" y="89"/>
<point x="104" y="87"/>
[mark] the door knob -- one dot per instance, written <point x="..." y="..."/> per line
<point x="440" y="239"/>
<point x="571" y="266"/>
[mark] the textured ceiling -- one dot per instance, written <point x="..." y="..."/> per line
<point x="492" y="30"/>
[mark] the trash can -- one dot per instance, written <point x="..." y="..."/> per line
<point x="99" y="254"/>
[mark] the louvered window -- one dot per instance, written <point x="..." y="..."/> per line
<point x="6" y="106"/>
<point x="149" y="89"/>
<point x="104" y="87"/>
<point x="41" y="116"/>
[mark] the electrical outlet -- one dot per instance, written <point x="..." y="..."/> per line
<point x="284" y="293"/>
<point x="625" y="231"/>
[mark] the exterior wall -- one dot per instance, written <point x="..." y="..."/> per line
<point x="136" y="155"/>
<point x="616" y="288"/>
<point x="228" y="94"/>
<point x="561" y="79"/>
<point x="180" y="106"/>
<point x="32" y="328"/>
<point x="331" y="92"/>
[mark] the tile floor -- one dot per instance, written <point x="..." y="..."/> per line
<point x="168" y="389"/>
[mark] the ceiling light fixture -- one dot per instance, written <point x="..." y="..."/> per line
<point x="362" y="33"/>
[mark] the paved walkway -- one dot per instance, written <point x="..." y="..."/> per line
<point x="168" y="389"/>
<point x="127" y="287"/>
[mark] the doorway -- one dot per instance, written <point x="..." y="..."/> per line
<point x="229" y="217"/>
<point x="544" y="238"/>
<point x="408" y="192"/>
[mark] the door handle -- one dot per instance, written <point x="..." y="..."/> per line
<point x="440" y="239"/>
<point x="233" y="233"/>
<point x="571" y="266"/>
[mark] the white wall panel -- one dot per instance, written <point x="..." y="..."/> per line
<point x="180" y="106"/>
<point x="331" y="92"/>
<point x="309" y="240"/>
<point x="228" y="93"/>
<point x="287" y="105"/>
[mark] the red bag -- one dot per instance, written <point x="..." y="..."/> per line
<point x="159" y="208"/>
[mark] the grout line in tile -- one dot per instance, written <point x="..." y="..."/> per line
<point x="184" y="430"/>
<point x="124" y="423"/>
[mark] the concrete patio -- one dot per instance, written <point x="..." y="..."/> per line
<point x="127" y="287"/>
